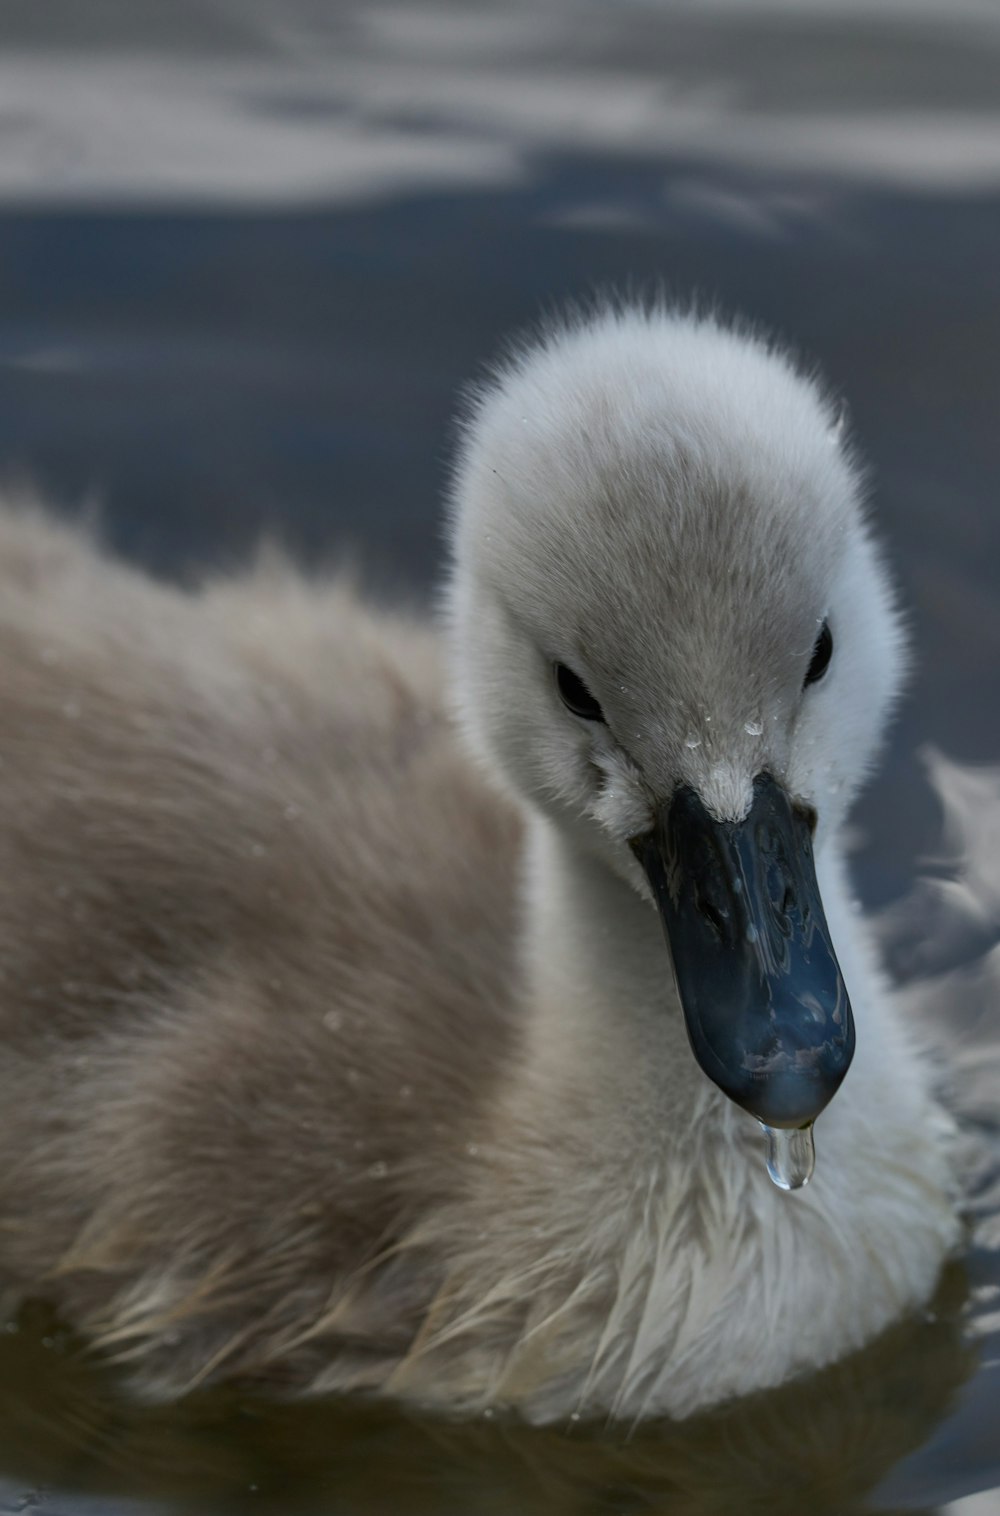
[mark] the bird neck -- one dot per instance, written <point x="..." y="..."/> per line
<point x="604" y="1010"/>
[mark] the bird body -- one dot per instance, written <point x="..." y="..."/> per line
<point x="340" y="1045"/>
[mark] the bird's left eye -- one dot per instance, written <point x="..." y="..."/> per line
<point x="575" y="695"/>
<point x="822" y="653"/>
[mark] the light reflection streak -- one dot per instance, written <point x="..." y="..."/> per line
<point x="363" y="101"/>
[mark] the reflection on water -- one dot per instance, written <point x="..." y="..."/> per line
<point x="819" y="1446"/>
<point x="946" y="937"/>
<point x="235" y="104"/>
<point x="952" y="915"/>
<point x="248" y="252"/>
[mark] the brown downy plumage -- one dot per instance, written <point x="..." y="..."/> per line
<point x="236" y="975"/>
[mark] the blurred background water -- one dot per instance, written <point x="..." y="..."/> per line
<point x="249" y="252"/>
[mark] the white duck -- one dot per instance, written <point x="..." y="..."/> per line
<point x="336" y="1060"/>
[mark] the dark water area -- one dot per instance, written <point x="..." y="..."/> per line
<point x="249" y="256"/>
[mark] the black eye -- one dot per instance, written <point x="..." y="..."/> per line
<point x="575" y="695"/>
<point x="822" y="653"/>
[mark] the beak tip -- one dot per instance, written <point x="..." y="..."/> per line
<point x="782" y="1089"/>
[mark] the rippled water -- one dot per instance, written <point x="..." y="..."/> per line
<point x="249" y="251"/>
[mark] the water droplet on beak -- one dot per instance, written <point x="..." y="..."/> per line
<point x="791" y="1155"/>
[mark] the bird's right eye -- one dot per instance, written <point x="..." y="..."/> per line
<point x="822" y="653"/>
<point x="575" y="695"/>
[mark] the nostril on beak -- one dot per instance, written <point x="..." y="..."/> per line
<point x="716" y="916"/>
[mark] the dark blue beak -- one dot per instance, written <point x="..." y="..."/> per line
<point x="763" y="998"/>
